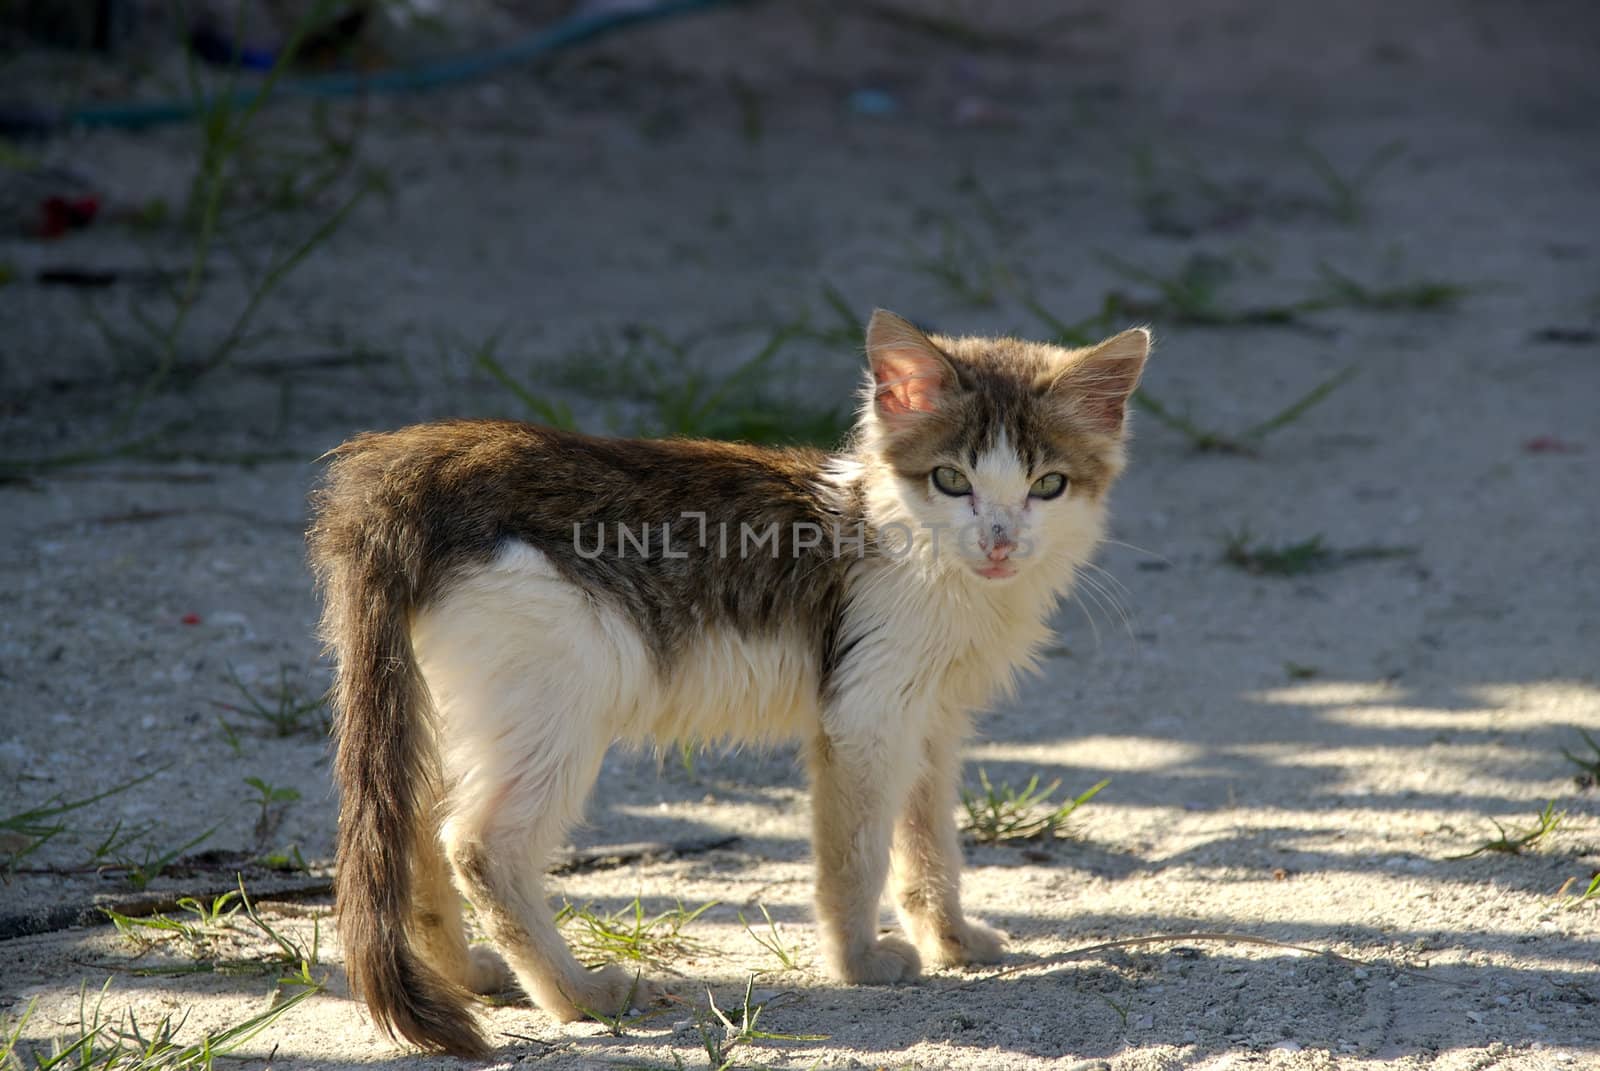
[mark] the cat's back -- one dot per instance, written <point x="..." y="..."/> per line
<point x="651" y="521"/>
<point x="521" y="463"/>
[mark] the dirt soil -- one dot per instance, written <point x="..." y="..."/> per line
<point x="1300" y="751"/>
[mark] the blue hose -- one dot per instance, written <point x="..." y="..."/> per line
<point x="137" y="114"/>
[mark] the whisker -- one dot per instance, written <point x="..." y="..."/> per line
<point x="1103" y="597"/>
<point x="1142" y="550"/>
<point x="1083" y="608"/>
<point x="1112" y="578"/>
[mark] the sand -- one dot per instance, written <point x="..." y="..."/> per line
<point x="1291" y="757"/>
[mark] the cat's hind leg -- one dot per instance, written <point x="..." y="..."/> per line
<point x="927" y="861"/>
<point x="499" y="849"/>
<point x="527" y="677"/>
<point x="437" y="927"/>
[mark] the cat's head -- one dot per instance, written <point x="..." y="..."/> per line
<point x="995" y="454"/>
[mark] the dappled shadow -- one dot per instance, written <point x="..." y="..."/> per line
<point x="1108" y="1002"/>
<point x="1262" y="734"/>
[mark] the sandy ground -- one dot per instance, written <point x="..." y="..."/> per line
<point x="1291" y="757"/>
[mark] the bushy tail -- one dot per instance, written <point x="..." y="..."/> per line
<point x="385" y="766"/>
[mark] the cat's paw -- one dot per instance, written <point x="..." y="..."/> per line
<point x="487" y="973"/>
<point x="967" y="942"/>
<point x="885" y="962"/>
<point x="611" y="991"/>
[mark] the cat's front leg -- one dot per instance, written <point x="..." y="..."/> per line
<point x="858" y="784"/>
<point x="927" y="860"/>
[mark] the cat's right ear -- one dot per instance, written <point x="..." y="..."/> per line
<point x="910" y="376"/>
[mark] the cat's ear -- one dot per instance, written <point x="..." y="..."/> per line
<point x="1098" y="383"/>
<point x="909" y="373"/>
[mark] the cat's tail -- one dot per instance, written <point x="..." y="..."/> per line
<point x="366" y="567"/>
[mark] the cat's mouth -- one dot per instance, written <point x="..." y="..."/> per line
<point x="996" y="570"/>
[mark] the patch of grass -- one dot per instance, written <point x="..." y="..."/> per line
<point x="288" y="860"/>
<point x="1085" y="332"/>
<point x="154" y="862"/>
<point x="1296" y="559"/>
<point x="845" y="330"/>
<point x="11" y="1036"/>
<point x="1347" y="194"/>
<point x="720" y="1034"/>
<point x="23" y="833"/>
<point x="1592" y="893"/>
<point x="551" y="412"/>
<point x="117" y="445"/>
<point x="1156" y="200"/>
<point x="1517" y="841"/>
<point x="1195" y="201"/>
<point x="100" y="1043"/>
<point x="291" y="955"/>
<point x="697" y="405"/>
<point x="771" y="423"/>
<point x="1121" y="1010"/>
<point x="615" y="1022"/>
<point x="1193" y="295"/>
<point x="278" y="175"/>
<point x="625" y="364"/>
<point x="202" y="931"/>
<point x="283" y="711"/>
<point x="228" y="145"/>
<point x="196" y="932"/>
<point x="772" y="941"/>
<point x="111" y="846"/>
<point x="112" y="855"/>
<point x="1201" y="439"/>
<point x="630" y="934"/>
<point x="1001" y="813"/>
<point x="274" y="802"/>
<point x="959" y="265"/>
<point x="1417" y="295"/>
<point x="688" y="750"/>
<point x="162" y="334"/>
<point x="680" y="397"/>
<point x="1588" y="765"/>
<point x="1296" y="408"/>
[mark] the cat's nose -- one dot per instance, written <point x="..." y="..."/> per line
<point x="999" y="543"/>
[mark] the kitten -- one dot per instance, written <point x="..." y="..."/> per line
<point x="506" y="601"/>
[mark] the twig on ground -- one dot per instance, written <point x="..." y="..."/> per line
<point x="1219" y="937"/>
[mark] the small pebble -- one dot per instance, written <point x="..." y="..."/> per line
<point x="874" y="102"/>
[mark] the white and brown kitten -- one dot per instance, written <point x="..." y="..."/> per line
<point x="506" y="601"/>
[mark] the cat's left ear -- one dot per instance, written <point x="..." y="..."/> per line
<point x="1098" y="383"/>
<point x="910" y="375"/>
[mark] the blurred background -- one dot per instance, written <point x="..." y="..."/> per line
<point x="598" y="212"/>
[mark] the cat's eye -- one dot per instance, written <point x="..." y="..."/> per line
<point x="1050" y="485"/>
<point x="951" y="481"/>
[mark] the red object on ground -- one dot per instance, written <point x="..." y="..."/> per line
<point x="190" y="619"/>
<point x="58" y="215"/>
<point x="1549" y="444"/>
